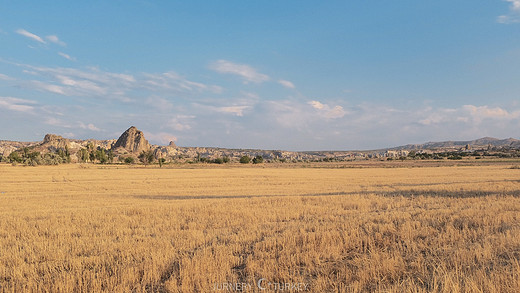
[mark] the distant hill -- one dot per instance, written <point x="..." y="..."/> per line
<point x="132" y="143"/>
<point x="481" y="142"/>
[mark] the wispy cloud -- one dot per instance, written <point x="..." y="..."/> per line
<point x="514" y="13"/>
<point x="172" y="81"/>
<point x="47" y="87"/>
<point x="16" y="104"/>
<point x="286" y="84"/>
<point x="5" y="77"/>
<point x="246" y="72"/>
<point x="66" y="56"/>
<point x="93" y="82"/>
<point x="56" y="40"/>
<point x="30" y="35"/>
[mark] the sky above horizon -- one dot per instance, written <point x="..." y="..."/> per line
<point x="292" y="75"/>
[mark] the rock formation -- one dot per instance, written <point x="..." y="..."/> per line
<point x="53" y="142"/>
<point x="132" y="140"/>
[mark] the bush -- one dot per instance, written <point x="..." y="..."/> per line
<point x="245" y="160"/>
<point x="14" y="157"/>
<point x="455" y="157"/>
<point x="129" y="160"/>
<point x="258" y="160"/>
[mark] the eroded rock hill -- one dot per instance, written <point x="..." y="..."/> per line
<point x="132" y="140"/>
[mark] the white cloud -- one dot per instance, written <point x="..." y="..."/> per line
<point x="16" y="104"/>
<point x="469" y="114"/>
<point x="56" y="40"/>
<point x="327" y="111"/>
<point x="66" y="56"/>
<point x="248" y="73"/>
<point x="162" y="138"/>
<point x="56" y="122"/>
<point x="179" y="123"/>
<point x="316" y="105"/>
<point x="235" y="110"/>
<point x="30" y="35"/>
<point x="89" y="126"/>
<point x="514" y="13"/>
<point x="336" y="112"/>
<point x="286" y="84"/>
<point x="480" y="113"/>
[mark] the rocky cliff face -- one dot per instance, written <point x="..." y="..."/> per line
<point x="132" y="140"/>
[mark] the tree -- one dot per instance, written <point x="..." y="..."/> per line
<point x="245" y="160"/>
<point x="161" y="162"/>
<point x="110" y="156"/>
<point x="101" y="155"/>
<point x="83" y="155"/>
<point x="146" y="157"/>
<point x="258" y="159"/>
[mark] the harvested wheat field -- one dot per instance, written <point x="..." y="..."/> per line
<point x="93" y="228"/>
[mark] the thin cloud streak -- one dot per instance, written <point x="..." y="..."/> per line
<point x="246" y="72"/>
<point x="30" y="36"/>
<point x="16" y="104"/>
<point x="66" y="56"/>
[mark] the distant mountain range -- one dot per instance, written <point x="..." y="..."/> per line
<point x="481" y="142"/>
<point x="132" y="143"/>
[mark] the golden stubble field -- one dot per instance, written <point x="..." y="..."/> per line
<point x="93" y="228"/>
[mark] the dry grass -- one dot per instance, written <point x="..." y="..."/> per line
<point x="87" y="228"/>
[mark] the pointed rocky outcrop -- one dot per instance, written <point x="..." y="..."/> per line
<point x="132" y="140"/>
<point x="53" y="142"/>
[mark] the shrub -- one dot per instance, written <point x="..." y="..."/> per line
<point x="245" y="160"/>
<point x="14" y="157"/>
<point x="258" y="160"/>
<point x="129" y="160"/>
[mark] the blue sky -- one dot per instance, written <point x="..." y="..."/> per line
<point x="294" y="75"/>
